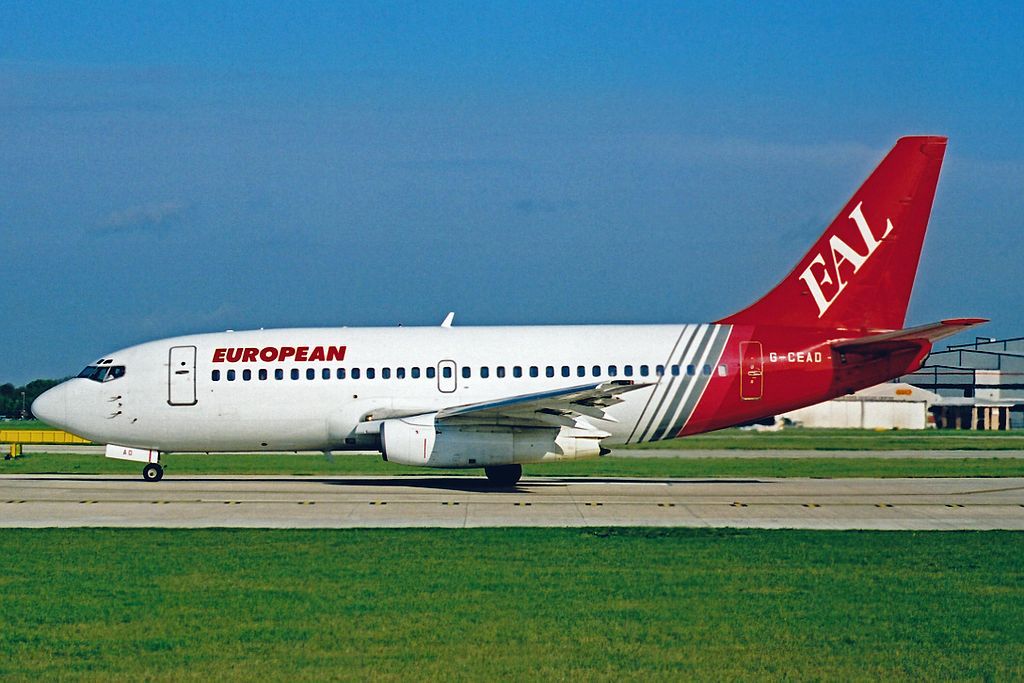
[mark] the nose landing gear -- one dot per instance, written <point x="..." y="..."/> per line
<point x="152" y="472"/>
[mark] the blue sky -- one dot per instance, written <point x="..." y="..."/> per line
<point x="181" y="167"/>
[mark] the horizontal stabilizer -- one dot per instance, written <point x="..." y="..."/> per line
<point x="912" y="336"/>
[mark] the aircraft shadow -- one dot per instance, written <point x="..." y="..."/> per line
<point x="463" y="484"/>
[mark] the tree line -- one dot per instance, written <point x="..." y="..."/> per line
<point x="12" y="401"/>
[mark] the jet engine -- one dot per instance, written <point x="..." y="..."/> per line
<point x="420" y="440"/>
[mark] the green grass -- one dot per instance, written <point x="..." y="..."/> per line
<point x="800" y="439"/>
<point x="498" y="604"/>
<point x="344" y="465"/>
<point x="846" y="439"/>
<point x="25" y="424"/>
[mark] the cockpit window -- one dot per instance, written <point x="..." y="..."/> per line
<point x="105" y="373"/>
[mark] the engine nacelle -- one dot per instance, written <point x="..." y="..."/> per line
<point x="420" y="441"/>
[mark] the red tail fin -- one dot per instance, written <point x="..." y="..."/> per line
<point x="859" y="274"/>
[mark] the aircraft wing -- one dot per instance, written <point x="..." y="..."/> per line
<point x="910" y="337"/>
<point x="546" y="408"/>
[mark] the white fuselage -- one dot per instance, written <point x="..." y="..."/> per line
<point x="308" y="404"/>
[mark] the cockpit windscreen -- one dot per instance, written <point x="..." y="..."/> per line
<point x="104" y="373"/>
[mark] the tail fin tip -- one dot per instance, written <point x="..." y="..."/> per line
<point x="860" y="272"/>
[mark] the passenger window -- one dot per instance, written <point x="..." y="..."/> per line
<point x="596" y="370"/>
<point x="399" y="373"/>
<point x="723" y="370"/>
<point x="325" y="373"/>
<point x="310" y="373"/>
<point x="534" y="372"/>
<point x="215" y="375"/>
<point x="340" y="374"/>
<point x="612" y="371"/>
<point x="385" y="373"/>
<point x="371" y="373"/>
<point x="691" y="370"/>
<point x="565" y="371"/>
<point x="356" y="373"/>
<point x="500" y="371"/>
<point x="231" y="375"/>
<point x="627" y="370"/>
<point x="432" y="372"/>
<point x="246" y="375"/>
<point x="295" y="373"/>
<point x="484" y="372"/>
<point x="263" y="373"/>
<point x="644" y="371"/>
<point x="706" y="369"/>
<point x="279" y="374"/>
<point x="581" y="371"/>
<point x="676" y="370"/>
<point x="549" y="371"/>
<point x="466" y="372"/>
<point x="415" y="373"/>
<point x="517" y="371"/>
<point x="660" y="370"/>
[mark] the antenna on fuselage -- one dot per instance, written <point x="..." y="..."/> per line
<point x="448" y="319"/>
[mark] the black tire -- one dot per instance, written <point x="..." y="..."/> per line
<point x="152" y="472"/>
<point x="504" y="475"/>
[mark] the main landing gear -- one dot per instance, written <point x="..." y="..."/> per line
<point x="503" y="475"/>
<point x="152" y="472"/>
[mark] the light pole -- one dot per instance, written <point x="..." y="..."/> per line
<point x="23" y="413"/>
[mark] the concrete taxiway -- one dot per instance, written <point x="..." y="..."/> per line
<point x="446" y="501"/>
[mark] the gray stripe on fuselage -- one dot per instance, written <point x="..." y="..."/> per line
<point x="713" y="357"/>
<point x="698" y="331"/>
<point x="662" y="419"/>
<point x="666" y="387"/>
<point x="640" y="419"/>
<point x="686" y="389"/>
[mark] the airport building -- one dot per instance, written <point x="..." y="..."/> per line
<point x="981" y="384"/>
<point x="886" y="406"/>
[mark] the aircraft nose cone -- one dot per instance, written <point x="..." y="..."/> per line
<point x="52" y="406"/>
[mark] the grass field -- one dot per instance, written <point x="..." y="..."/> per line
<point x="345" y="465"/>
<point x="24" y="424"/>
<point x="510" y="603"/>
<point x="801" y="439"/>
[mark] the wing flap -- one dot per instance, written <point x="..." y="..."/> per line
<point x="558" y="407"/>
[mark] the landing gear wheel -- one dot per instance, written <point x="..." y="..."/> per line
<point x="504" y="475"/>
<point x="152" y="472"/>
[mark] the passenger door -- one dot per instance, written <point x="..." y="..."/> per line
<point x="751" y="371"/>
<point x="181" y="376"/>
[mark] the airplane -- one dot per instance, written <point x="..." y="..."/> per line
<point x="498" y="397"/>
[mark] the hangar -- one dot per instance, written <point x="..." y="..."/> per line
<point x="886" y="406"/>
<point x="981" y="384"/>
